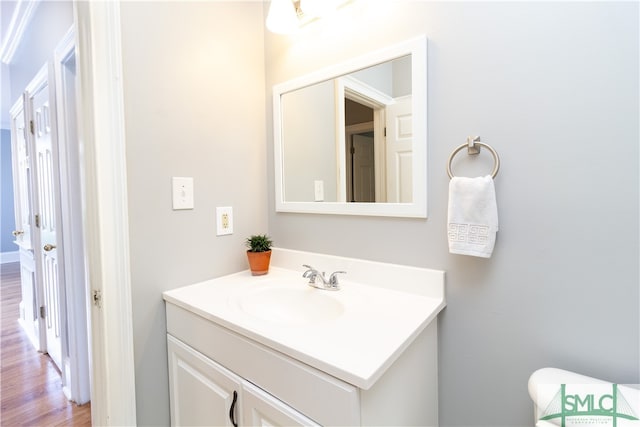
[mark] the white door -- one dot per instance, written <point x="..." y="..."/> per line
<point x="46" y="189"/>
<point x="399" y="151"/>
<point x="201" y="392"/>
<point x="21" y="176"/>
<point x="22" y="182"/>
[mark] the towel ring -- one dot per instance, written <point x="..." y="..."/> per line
<point x="474" y="144"/>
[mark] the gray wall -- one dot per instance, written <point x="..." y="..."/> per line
<point x="5" y="96"/>
<point x="7" y="216"/>
<point x="553" y="87"/>
<point x="6" y="12"/>
<point x="194" y="95"/>
<point x="312" y="130"/>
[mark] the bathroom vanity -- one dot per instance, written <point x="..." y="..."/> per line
<point x="270" y="350"/>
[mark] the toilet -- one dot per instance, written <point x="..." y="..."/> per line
<point x="565" y="398"/>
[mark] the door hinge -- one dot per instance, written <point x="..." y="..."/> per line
<point x="43" y="311"/>
<point x="38" y="220"/>
<point x="97" y="298"/>
<point x="32" y="127"/>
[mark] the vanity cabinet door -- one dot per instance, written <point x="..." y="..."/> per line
<point x="262" y="409"/>
<point x="201" y="392"/>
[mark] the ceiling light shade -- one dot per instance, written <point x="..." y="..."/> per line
<point x="318" y="8"/>
<point x="282" y="17"/>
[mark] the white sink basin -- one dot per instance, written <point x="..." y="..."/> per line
<point x="354" y="333"/>
<point x="286" y="304"/>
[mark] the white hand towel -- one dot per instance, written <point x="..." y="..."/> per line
<point x="473" y="216"/>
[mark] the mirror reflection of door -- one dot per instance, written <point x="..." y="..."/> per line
<point x="362" y="177"/>
<point x="360" y="152"/>
<point x="399" y="151"/>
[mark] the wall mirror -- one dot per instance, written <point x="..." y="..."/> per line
<point x="352" y="138"/>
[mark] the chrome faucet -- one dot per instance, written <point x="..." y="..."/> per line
<point x="314" y="275"/>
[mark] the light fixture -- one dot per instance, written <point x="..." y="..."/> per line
<point x="282" y="17"/>
<point x="318" y="8"/>
<point x="286" y="16"/>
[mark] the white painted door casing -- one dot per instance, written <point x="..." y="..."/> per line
<point x="75" y="341"/>
<point x="104" y="199"/>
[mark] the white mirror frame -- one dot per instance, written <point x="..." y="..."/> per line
<point x="417" y="48"/>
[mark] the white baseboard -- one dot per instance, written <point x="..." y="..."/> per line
<point x="6" y="257"/>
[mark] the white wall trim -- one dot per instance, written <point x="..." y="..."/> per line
<point x="101" y="135"/>
<point x="7" y="257"/>
<point x="22" y="14"/>
<point x="77" y="364"/>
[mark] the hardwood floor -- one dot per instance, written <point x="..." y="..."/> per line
<point x="31" y="388"/>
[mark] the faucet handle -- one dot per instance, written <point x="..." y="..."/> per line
<point x="312" y="274"/>
<point x="333" y="279"/>
<point x="309" y="271"/>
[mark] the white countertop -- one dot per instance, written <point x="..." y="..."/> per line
<point x="356" y="343"/>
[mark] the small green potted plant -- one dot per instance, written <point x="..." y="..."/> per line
<point x="259" y="253"/>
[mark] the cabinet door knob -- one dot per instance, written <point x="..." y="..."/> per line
<point x="232" y="411"/>
<point x="49" y="247"/>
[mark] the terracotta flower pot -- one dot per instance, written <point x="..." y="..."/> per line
<point x="259" y="262"/>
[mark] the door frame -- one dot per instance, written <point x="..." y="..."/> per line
<point x="348" y="87"/>
<point x="75" y="342"/>
<point x="104" y="177"/>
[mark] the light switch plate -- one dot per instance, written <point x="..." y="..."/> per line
<point x="182" y="193"/>
<point x="224" y="221"/>
<point x="318" y="190"/>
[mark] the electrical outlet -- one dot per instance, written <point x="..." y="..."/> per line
<point x="224" y="221"/>
<point x="182" y="193"/>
